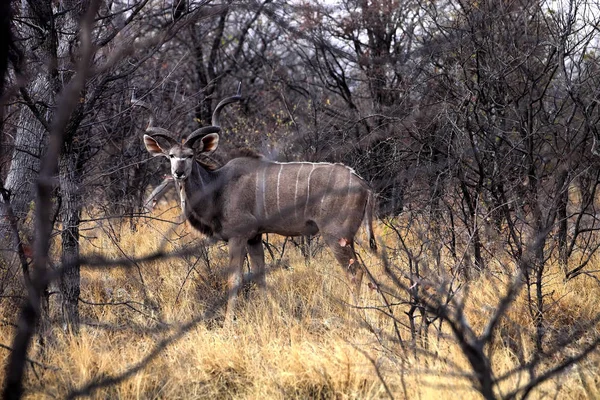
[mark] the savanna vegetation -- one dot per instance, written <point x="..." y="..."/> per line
<point x="474" y="122"/>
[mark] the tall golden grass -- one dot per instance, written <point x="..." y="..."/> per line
<point x="299" y="341"/>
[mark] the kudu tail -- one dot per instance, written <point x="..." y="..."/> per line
<point x="368" y="219"/>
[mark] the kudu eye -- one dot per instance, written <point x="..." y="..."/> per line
<point x="171" y="155"/>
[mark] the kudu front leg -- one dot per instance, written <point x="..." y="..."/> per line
<point x="257" y="261"/>
<point x="237" y="253"/>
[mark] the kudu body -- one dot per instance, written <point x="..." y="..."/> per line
<point x="250" y="196"/>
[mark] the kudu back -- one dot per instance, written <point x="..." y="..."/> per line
<point x="250" y="196"/>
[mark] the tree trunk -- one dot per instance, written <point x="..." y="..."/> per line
<point x="70" y="216"/>
<point x="25" y="163"/>
<point x="20" y="182"/>
<point x="563" y="201"/>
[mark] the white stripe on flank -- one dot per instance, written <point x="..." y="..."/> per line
<point x="325" y="189"/>
<point x="308" y="189"/>
<point x="257" y="205"/>
<point x="351" y="195"/>
<point x="349" y="184"/>
<point x="264" y="194"/>
<point x="296" y="192"/>
<point x="278" y="178"/>
<point x="349" y="205"/>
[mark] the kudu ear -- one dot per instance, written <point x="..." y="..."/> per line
<point x="153" y="147"/>
<point x="210" y="143"/>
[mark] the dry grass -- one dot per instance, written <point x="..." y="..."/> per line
<point x="298" y="341"/>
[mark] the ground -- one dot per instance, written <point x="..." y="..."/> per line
<point x="153" y="330"/>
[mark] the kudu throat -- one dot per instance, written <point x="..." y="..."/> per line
<point x="197" y="194"/>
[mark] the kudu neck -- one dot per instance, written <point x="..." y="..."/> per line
<point x="199" y="177"/>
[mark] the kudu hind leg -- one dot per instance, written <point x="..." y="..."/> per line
<point x="257" y="261"/>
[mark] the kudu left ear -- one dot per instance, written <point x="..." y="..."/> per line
<point x="153" y="147"/>
<point x="210" y="143"/>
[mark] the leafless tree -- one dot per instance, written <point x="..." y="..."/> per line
<point x="472" y="120"/>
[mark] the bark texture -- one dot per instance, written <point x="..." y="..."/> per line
<point x="70" y="181"/>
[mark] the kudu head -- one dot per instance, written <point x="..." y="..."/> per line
<point x="182" y="154"/>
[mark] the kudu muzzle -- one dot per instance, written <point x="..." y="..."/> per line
<point x="179" y="170"/>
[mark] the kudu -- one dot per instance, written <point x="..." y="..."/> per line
<point x="251" y="195"/>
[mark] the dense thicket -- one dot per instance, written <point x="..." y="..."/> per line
<point x="474" y="121"/>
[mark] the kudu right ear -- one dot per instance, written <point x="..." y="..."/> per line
<point x="210" y="143"/>
<point x="153" y="147"/>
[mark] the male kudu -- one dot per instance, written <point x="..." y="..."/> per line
<point x="251" y="195"/>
